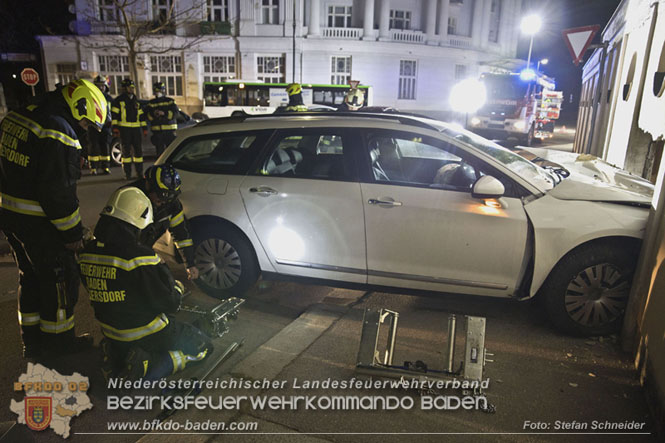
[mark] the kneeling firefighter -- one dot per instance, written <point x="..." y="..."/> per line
<point x="134" y="294"/>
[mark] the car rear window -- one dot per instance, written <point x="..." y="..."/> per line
<point x="227" y="153"/>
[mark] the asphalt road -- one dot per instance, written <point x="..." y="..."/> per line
<point x="300" y="332"/>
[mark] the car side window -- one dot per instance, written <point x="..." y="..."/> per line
<point x="228" y="153"/>
<point x="308" y="154"/>
<point x="408" y="159"/>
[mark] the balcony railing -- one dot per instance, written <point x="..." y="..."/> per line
<point x="460" y="41"/>
<point x="347" y="33"/>
<point x="407" y="36"/>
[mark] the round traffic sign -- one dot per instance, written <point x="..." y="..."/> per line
<point x="29" y="76"/>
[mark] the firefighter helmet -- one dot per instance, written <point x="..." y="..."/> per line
<point x="293" y="89"/>
<point x="102" y="81"/>
<point x="86" y="101"/>
<point x="164" y="180"/>
<point x="354" y="99"/>
<point x="128" y="83"/>
<point x="130" y="205"/>
<point x="159" y="87"/>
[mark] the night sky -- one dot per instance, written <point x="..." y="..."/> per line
<point x="549" y="43"/>
<point x="21" y="20"/>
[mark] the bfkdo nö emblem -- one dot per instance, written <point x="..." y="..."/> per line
<point x="38" y="412"/>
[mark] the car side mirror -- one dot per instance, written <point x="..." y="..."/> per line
<point x="487" y="187"/>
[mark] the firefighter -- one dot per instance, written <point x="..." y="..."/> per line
<point x="353" y="100"/>
<point x="296" y="104"/>
<point x="39" y="209"/>
<point x="162" y="185"/>
<point x="128" y="119"/>
<point x="162" y="112"/>
<point x="99" y="156"/>
<point x="134" y="294"/>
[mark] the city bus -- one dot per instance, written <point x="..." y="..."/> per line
<point x="224" y="99"/>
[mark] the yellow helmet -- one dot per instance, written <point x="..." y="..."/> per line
<point x="86" y="101"/>
<point x="130" y="205"/>
<point x="354" y="99"/>
<point x="293" y="89"/>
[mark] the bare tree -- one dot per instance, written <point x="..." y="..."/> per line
<point x="129" y="26"/>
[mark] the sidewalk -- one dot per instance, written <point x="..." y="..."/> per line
<point x="538" y="377"/>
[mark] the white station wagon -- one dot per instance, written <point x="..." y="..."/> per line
<point x="405" y="203"/>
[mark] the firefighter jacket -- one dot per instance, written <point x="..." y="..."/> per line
<point x="162" y="113"/>
<point x="127" y="113"/>
<point x="168" y="216"/>
<point x="130" y="289"/>
<point x="39" y="166"/>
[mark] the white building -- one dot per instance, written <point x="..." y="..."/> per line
<point x="409" y="51"/>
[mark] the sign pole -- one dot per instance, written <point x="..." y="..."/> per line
<point x="33" y="90"/>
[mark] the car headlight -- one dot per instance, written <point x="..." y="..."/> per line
<point x="475" y="121"/>
<point x="519" y="125"/>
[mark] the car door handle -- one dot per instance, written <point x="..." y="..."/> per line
<point x="263" y="191"/>
<point x="374" y="201"/>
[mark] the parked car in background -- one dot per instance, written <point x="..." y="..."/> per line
<point x="183" y="119"/>
<point x="397" y="201"/>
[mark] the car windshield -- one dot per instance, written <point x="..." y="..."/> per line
<point x="534" y="174"/>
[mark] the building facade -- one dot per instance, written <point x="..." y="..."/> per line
<point x="410" y="51"/>
<point x="622" y="105"/>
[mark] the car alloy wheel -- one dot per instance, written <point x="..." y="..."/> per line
<point x="596" y="296"/>
<point x="219" y="263"/>
<point x="116" y="152"/>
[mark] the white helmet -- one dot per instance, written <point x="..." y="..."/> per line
<point x="130" y="205"/>
<point x="354" y="99"/>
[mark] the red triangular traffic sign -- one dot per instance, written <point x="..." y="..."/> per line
<point x="578" y="40"/>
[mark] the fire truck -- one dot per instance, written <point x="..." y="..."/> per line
<point x="517" y="107"/>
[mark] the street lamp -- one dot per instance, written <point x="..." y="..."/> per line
<point x="543" y="61"/>
<point x="530" y="25"/>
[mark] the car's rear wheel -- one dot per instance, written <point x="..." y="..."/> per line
<point x="587" y="292"/>
<point x="226" y="262"/>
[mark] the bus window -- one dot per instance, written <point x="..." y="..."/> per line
<point x="258" y="97"/>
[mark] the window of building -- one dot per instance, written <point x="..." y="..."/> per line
<point x="340" y="70"/>
<point x="116" y="67"/>
<point x="270" y="69"/>
<point x="270" y="12"/>
<point x="65" y="72"/>
<point x="161" y="10"/>
<point x="218" y="68"/>
<point x="407" y="80"/>
<point x="400" y="19"/>
<point x="107" y="11"/>
<point x="452" y="25"/>
<point x="456" y="2"/>
<point x="460" y="72"/>
<point x="495" y="17"/>
<point x="218" y="10"/>
<point x="339" y="16"/>
<point x="167" y="69"/>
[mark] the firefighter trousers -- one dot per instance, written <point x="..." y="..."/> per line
<point x="48" y="283"/>
<point x="99" y="152"/>
<point x="156" y="355"/>
<point x="161" y="140"/>
<point x="132" y="151"/>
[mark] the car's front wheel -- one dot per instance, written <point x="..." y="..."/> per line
<point x="116" y="152"/>
<point x="587" y="292"/>
<point x="226" y="261"/>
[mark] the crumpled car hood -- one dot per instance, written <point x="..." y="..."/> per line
<point x="593" y="179"/>
<point x="579" y="187"/>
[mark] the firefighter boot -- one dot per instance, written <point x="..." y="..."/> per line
<point x="135" y="364"/>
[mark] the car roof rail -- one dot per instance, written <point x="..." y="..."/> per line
<point x="402" y="117"/>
